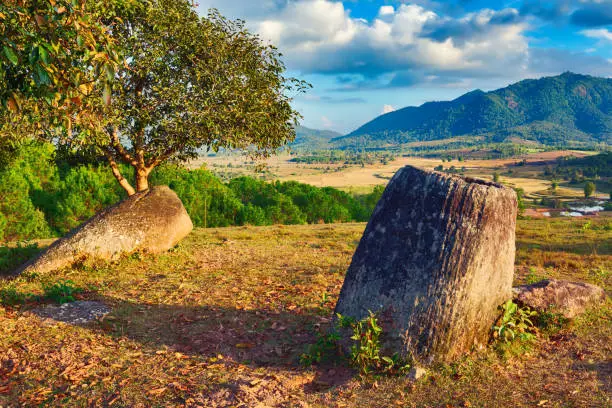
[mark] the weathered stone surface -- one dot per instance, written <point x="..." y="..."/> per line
<point x="79" y="312"/>
<point x="153" y="221"/>
<point x="567" y="298"/>
<point x="435" y="261"/>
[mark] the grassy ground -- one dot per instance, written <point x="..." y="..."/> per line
<point x="222" y="319"/>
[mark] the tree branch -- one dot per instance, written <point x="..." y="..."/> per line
<point x="116" y="144"/>
<point x="158" y="160"/>
<point x="117" y="173"/>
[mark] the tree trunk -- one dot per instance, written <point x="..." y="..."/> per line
<point x="142" y="179"/>
<point x="435" y="261"/>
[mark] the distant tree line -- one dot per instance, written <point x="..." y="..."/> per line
<point x="42" y="194"/>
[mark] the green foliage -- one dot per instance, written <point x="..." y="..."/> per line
<point x="78" y="195"/>
<point x="278" y="207"/>
<point x="55" y="55"/>
<point x="208" y="201"/>
<point x="325" y="349"/>
<point x="44" y="198"/>
<point x="19" y="218"/>
<point x="532" y="277"/>
<point x="190" y="82"/>
<point x="551" y="322"/>
<point x="365" y="354"/>
<point x="61" y="292"/>
<point x="589" y="189"/>
<point x="496" y="177"/>
<point x="9" y="296"/>
<point x="573" y="168"/>
<point x="12" y="257"/>
<point x="514" y="322"/>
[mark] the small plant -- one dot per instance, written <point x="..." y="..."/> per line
<point x="61" y="292"/>
<point x="551" y="321"/>
<point x="324" y="299"/>
<point x="514" y="322"/>
<point x="587" y="226"/>
<point x="532" y="277"/>
<point x="324" y="349"/>
<point x="600" y="275"/>
<point x="10" y="296"/>
<point x="365" y="352"/>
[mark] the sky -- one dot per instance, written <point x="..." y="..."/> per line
<point x="368" y="57"/>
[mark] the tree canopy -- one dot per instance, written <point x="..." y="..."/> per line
<point x="53" y="53"/>
<point x="187" y="83"/>
<point x="141" y="81"/>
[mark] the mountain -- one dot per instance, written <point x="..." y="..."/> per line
<point x="560" y="110"/>
<point x="312" y="139"/>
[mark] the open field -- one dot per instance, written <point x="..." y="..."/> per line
<point x="221" y="320"/>
<point x="529" y="176"/>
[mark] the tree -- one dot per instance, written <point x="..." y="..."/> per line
<point x="56" y="59"/>
<point x="589" y="189"/>
<point x="496" y="177"/>
<point x="188" y="83"/>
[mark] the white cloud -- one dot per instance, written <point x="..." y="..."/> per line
<point x="386" y="11"/>
<point x="598" y="33"/>
<point x="320" y="36"/>
<point x="388" y="109"/>
<point x="406" y="45"/>
<point x="326" y="123"/>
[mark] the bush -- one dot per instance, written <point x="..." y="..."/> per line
<point x="43" y="197"/>
<point x="208" y="202"/>
<point x="12" y="257"/>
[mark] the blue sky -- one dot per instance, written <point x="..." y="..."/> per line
<point x="366" y="57"/>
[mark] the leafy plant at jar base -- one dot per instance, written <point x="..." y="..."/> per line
<point x="515" y="322"/>
<point x="365" y="353"/>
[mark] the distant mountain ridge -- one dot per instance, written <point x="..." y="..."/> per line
<point x="565" y="109"/>
<point x="306" y="138"/>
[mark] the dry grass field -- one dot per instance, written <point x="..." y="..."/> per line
<point x="221" y="320"/>
<point x="356" y="177"/>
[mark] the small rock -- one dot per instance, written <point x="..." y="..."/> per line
<point x="76" y="313"/>
<point x="416" y="373"/>
<point x="567" y="298"/>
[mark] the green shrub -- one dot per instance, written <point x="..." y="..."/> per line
<point x="61" y="292"/>
<point x="19" y="219"/>
<point x="325" y="349"/>
<point x="208" y="202"/>
<point x="44" y="195"/>
<point x="13" y="257"/>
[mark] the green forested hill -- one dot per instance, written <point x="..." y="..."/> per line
<point x="312" y="139"/>
<point x="561" y="110"/>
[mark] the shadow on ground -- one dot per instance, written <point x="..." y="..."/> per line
<point x="257" y="338"/>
